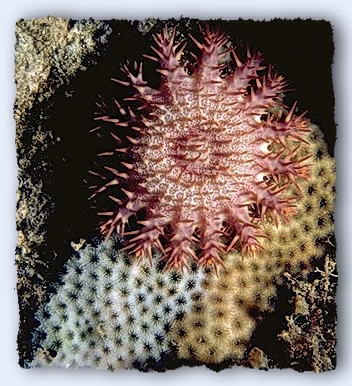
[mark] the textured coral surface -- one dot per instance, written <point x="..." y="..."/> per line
<point x="207" y="159"/>
<point x="222" y="322"/>
<point x="111" y="312"/>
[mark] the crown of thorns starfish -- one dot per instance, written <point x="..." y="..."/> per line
<point x="206" y="160"/>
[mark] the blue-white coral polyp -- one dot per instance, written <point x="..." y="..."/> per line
<point x="111" y="312"/>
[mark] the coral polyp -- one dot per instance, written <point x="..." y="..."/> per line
<point x="204" y="158"/>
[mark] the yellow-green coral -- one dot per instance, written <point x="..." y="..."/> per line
<point x="220" y="325"/>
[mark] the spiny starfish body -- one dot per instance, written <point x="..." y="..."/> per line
<point x="205" y="154"/>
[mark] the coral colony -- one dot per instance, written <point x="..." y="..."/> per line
<point x="112" y="312"/>
<point x="207" y="161"/>
<point x="211" y="171"/>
